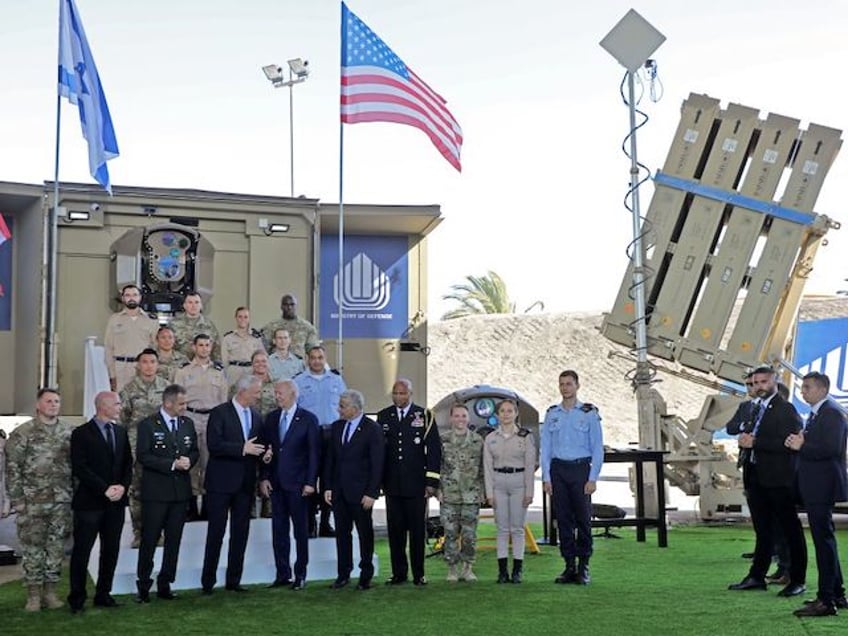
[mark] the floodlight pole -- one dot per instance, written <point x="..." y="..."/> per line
<point x="291" y="133"/>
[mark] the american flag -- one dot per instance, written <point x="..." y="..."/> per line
<point x="378" y="86"/>
<point x="5" y="234"/>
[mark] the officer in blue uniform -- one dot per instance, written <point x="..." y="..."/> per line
<point x="319" y="390"/>
<point x="572" y="450"/>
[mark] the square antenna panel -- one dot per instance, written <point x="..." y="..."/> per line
<point x="632" y="41"/>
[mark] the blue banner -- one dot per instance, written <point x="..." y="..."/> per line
<point x="822" y="345"/>
<point x="372" y="287"/>
<point x="6" y="230"/>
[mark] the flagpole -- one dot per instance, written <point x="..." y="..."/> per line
<point x="340" y="275"/>
<point x="51" y="252"/>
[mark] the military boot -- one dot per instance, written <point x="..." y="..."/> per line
<point x="33" y="603"/>
<point x="503" y="575"/>
<point x="517" y="567"/>
<point x="583" y="577"/>
<point x="569" y="574"/>
<point x="452" y="575"/>
<point x="48" y="597"/>
<point x="467" y="573"/>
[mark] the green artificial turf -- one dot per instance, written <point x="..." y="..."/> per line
<point x="637" y="588"/>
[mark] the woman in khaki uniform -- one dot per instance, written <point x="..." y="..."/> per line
<point x="509" y="461"/>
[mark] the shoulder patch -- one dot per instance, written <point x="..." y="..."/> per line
<point x="588" y="407"/>
<point x="552" y="407"/>
<point x="523" y="432"/>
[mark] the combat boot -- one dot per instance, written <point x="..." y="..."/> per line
<point x="452" y="576"/>
<point x="583" y="577"/>
<point x="49" y="599"/>
<point x="503" y="575"/>
<point x="569" y="574"/>
<point x="517" y="567"/>
<point x="33" y="603"/>
<point x="467" y="573"/>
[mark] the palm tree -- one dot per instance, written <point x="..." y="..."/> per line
<point x="482" y="295"/>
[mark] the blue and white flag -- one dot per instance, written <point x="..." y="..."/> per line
<point x="80" y="83"/>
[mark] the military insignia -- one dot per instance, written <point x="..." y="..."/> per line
<point x="552" y="407"/>
<point x="588" y="407"/>
<point x="187" y="441"/>
<point x="417" y="422"/>
<point x="158" y="436"/>
<point x="227" y="334"/>
<point x="417" y="440"/>
<point x="523" y="432"/>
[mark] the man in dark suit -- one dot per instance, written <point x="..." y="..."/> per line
<point x="822" y="481"/>
<point x="289" y="479"/>
<point x="352" y="476"/>
<point x="167" y="449"/>
<point x="410" y="475"/>
<point x="101" y="463"/>
<point x="770" y="483"/>
<point x="234" y="449"/>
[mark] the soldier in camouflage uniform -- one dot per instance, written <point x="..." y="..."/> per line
<point x="192" y="323"/>
<point x="461" y="493"/>
<point x="238" y="346"/>
<point x="303" y="333"/>
<point x="38" y="456"/>
<point x="140" y="398"/>
<point x="169" y="358"/>
<point x="283" y="364"/>
<point x="206" y="388"/>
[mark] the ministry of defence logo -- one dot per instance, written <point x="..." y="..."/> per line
<point x="363" y="286"/>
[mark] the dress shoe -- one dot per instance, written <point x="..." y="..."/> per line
<point x="397" y="580"/>
<point x="569" y="575"/>
<point x="143" y="596"/>
<point x="105" y="601"/>
<point x="776" y="576"/>
<point x="816" y="608"/>
<point x="841" y="602"/>
<point x="420" y="581"/>
<point x="165" y="594"/>
<point x="77" y="608"/>
<point x="326" y="532"/>
<point x="298" y="585"/>
<point x="339" y="583"/>
<point x="363" y="585"/>
<point x="235" y="588"/>
<point x="207" y="591"/>
<point x="748" y="583"/>
<point x="792" y="589"/>
<point x="782" y="580"/>
<point x="280" y="583"/>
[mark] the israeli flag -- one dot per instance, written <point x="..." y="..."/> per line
<point x="80" y="83"/>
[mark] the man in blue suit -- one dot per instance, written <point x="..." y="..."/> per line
<point x="234" y="451"/>
<point x="822" y="482"/>
<point x="293" y="435"/>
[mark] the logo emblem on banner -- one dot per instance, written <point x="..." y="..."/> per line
<point x="363" y="285"/>
<point x="822" y="345"/>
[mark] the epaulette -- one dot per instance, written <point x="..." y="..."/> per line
<point x="297" y="374"/>
<point x="336" y="371"/>
<point x="255" y="333"/>
<point x="152" y="314"/>
<point x="227" y="334"/>
<point x="523" y="432"/>
<point x="297" y="356"/>
<point x="218" y="365"/>
<point x="185" y="364"/>
<point x="588" y="407"/>
<point x="552" y="407"/>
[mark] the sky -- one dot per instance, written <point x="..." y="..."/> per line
<point x="539" y="199"/>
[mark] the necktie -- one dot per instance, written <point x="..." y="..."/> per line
<point x="347" y="432"/>
<point x="400" y="414"/>
<point x="810" y="420"/>
<point x="284" y="425"/>
<point x="246" y="424"/>
<point x="110" y="438"/>
<point x="173" y="426"/>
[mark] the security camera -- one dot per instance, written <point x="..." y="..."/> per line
<point x="95" y="207"/>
